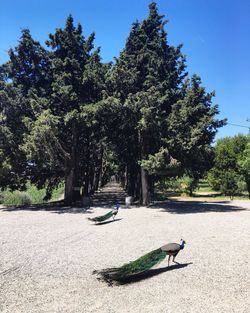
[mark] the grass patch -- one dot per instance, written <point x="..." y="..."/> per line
<point x="58" y="192"/>
<point x="32" y="195"/>
<point x="203" y="186"/>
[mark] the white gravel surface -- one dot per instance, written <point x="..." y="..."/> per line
<point x="47" y="259"/>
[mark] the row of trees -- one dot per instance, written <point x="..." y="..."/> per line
<point x="65" y="115"/>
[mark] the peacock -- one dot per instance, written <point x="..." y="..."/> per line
<point x="142" y="264"/>
<point x="102" y="218"/>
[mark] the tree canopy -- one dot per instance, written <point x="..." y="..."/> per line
<point x="81" y="120"/>
<point x="231" y="164"/>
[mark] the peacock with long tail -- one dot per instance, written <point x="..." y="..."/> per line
<point x="102" y="218"/>
<point x="143" y="263"/>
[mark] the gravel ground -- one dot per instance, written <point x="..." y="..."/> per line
<point x="47" y="259"/>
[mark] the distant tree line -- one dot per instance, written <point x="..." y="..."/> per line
<point x="229" y="175"/>
<point x="67" y="116"/>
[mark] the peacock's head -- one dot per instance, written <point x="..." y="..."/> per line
<point x="117" y="206"/>
<point x="182" y="242"/>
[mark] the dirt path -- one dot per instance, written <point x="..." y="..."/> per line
<point x="47" y="259"/>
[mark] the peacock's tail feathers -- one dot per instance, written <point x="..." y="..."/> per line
<point x="138" y="266"/>
<point x="102" y="217"/>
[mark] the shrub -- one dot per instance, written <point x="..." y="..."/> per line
<point x="188" y="184"/>
<point x="169" y="184"/>
<point x="58" y="192"/>
<point x="36" y="195"/>
<point x="229" y="186"/>
<point x="242" y="186"/>
<point x="16" y="198"/>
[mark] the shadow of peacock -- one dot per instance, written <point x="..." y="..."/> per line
<point x="102" y="218"/>
<point x="142" y="264"/>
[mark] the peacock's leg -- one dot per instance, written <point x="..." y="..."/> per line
<point x="174" y="259"/>
<point x="169" y="259"/>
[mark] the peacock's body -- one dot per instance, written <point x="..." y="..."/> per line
<point x="102" y="218"/>
<point x="141" y="264"/>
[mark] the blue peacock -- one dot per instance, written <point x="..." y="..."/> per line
<point x="143" y="263"/>
<point x="102" y="218"/>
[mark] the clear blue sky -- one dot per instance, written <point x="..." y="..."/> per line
<point x="215" y="34"/>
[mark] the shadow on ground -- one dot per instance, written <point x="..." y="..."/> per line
<point x="188" y="207"/>
<point x="53" y="207"/>
<point x="169" y="206"/>
<point x="146" y="275"/>
<point x="107" y="222"/>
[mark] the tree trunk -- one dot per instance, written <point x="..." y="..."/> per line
<point x="87" y="163"/>
<point x="152" y="187"/>
<point x="144" y="187"/>
<point x="91" y="179"/>
<point x="68" y="190"/>
<point x="72" y="188"/>
<point x="138" y="186"/>
<point x="133" y="170"/>
<point x="99" y="174"/>
<point x="145" y="200"/>
<point x="248" y="187"/>
<point x="131" y="185"/>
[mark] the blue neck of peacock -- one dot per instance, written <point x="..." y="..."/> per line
<point x="182" y="244"/>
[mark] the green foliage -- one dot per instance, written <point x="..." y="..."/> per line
<point x="32" y="195"/>
<point x="82" y="121"/>
<point x="16" y="198"/>
<point x="29" y="67"/>
<point x="229" y="186"/>
<point x="54" y="139"/>
<point x="169" y="184"/>
<point x="161" y="164"/>
<point x="203" y="186"/>
<point x="241" y="186"/>
<point x="188" y="184"/>
<point x="146" y="80"/>
<point x="36" y="195"/>
<point x="244" y="165"/>
<point x="12" y="161"/>
<point x="191" y="128"/>
<point x="227" y="175"/>
<point x="57" y="192"/>
<point x="184" y="184"/>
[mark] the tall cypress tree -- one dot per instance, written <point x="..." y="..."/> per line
<point x="147" y="79"/>
<point x="58" y="141"/>
<point x="192" y="126"/>
<point x="13" y="163"/>
<point x="29" y="66"/>
<point x="25" y="76"/>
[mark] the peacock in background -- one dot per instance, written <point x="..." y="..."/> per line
<point x="141" y="264"/>
<point x="102" y="218"/>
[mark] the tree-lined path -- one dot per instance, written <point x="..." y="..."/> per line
<point x="109" y="195"/>
<point x="81" y="121"/>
